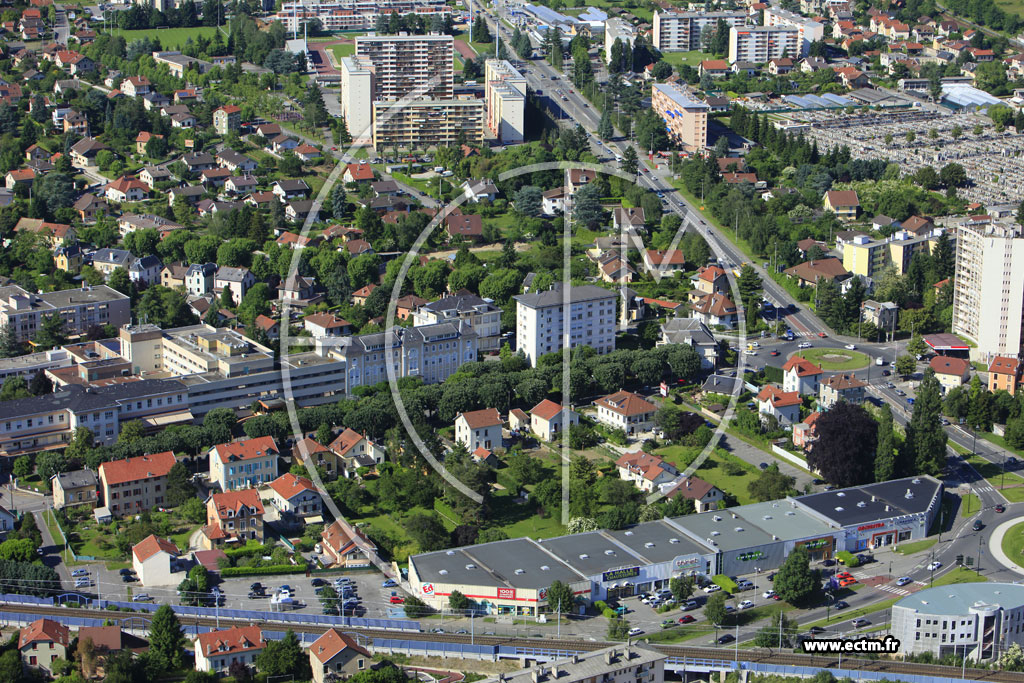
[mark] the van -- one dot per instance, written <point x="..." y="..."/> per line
<point x="879" y="361"/>
<point x="689" y="605"/>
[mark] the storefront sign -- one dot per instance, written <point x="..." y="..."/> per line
<point x="663" y="389"/>
<point x="506" y="593"/>
<point x="619" y="574"/>
<point x="816" y="543"/>
<point x="752" y="555"/>
<point x="866" y="527"/>
<point x="542" y="593"/>
<point x="428" y="589"/>
<point x="688" y="563"/>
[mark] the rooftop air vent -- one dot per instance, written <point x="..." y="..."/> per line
<point x="717" y="518"/>
<point x="774" y="537"/>
<point x="584" y="556"/>
<point x="470" y="566"/>
<point x="734" y="515"/>
<point x="790" y="513"/>
<point x="909" y="494"/>
<point x="443" y="572"/>
<point x="738" y="529"/>
<point x="839" y="508"/>
<point x="715" y="533"/>
<point x="767" y="517"/>
<point x="841" y="494"/>
<point x="544" y="568"/>
<point x="629" y="533"/>
<point x="915" y="480"/>
<point x="861" y="504"/>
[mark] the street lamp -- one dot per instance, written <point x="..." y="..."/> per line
<point x="981" y="541"/>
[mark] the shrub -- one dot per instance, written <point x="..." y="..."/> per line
<point x="263" y="571"/>
<point x="727" y="584"/>
<point x="848" y="558"/>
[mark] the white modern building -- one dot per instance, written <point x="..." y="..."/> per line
<point x="505" y="101"/>
<point x="353" y="15"/>
<point x="406" y="64"/>
<point x="681" y="31"/>
<point x="988" y="288"/>
<point x="357" y="97"/>
<point x="617" y="29"/>
<point x="88" y="306"/>
<point x="479" y="429"/>
<point x="759" y="44"/>
<point x="808" y="29"/>
<point x="540" y="320"/>
<point x="480" y="314"/>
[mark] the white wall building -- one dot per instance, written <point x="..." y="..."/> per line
<point x="617" y="29"/>
<point x="357" y="97"/>
<point x="540" y="316"/>
<point x="681" y="31"/>
<point x="759" y="44"/>
<point x="808" y="30"/>
<point x="153" y="560"/>
<point x="479" y="429"/>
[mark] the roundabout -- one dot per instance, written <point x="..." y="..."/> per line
<point x="835" y="359"/>
<point x="1007" y="544"/>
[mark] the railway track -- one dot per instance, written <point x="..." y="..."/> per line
<point x="689" y="652"/>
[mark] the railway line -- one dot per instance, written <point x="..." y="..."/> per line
<point x="528" y="648"/>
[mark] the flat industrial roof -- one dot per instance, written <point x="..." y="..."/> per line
<point x="659" y="541"/>
<point x="784" y="520"/>
<point x="956" y="599"/>
<point x="522" y="565"/>
<point x="727" y="532"/>
<point x="868" y="503"/>
<point x="591" y="553"/>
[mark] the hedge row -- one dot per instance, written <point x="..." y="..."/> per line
<point x="727" y="584"/>
<point x="265" y="570"/>
<point x="249" y="551"/>
<point x="847" y="558"/>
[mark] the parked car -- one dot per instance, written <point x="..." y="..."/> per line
<point x="318" y="582"/>
<point x="746" y="604"/>
<point x="763" y="465"/>
<point x="79" y="572"/>
<point x="723" y="639"/>
<point x="635" y="631"/>
<point x="712" y="588"/>
<point x="860" y="623"/>
<point x="397" y="600"/>
<point x="389" y="583"/>
<point x="123" y="572"/>
<point x="768" y="594"/>
<point x="668" y="623"/>
<point x="689" y="605"/>
<point x="686" y="619"/>
<point x="128" y="578"/>
<point x="141" y="597"/>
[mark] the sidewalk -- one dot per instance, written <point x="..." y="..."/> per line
<point x="995" y="546"/>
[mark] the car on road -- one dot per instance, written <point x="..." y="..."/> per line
<point x="1000" y="508"/>
<point x="635" y="631"/>
<point x="750" y="352"/>
<point x="712" y="588"/>
<point x="900" y="392"/>
<point x="804" y="345"/>
<point x="142" y="597"/>
<point x="668" y="623"/>
<point x="817" y="629"/>
<point x="904" y="580"/>
<point x="860" y="623"/>
<point x="932" y="566"/>
<point x="944" y="421"/>
<point x="843" y="583"/>
<point x="771" y="577"/>
<point x="890" y="385"/>
<point x="686" y="619"/>
<point x="768" y="594"/>
<point x="850" y="347"/>
<point x="841" y="604"/>
<point x="746" y="604"/>
<point x="773" y="352"/>
<point x="822" y="334"/>
<point x="727" y="638"/>
<point x="763" y="465"/>
<point x="389" y="583"/>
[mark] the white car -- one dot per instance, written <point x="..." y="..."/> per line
<point x="712" y="588"/>
<point x="850" y="347"/>
<point x="750" y="352"/>
<point x="635" y="631"/>
<point x="746" y="604"/>
<point x="934" y="565"/>
<point x="768" y="595"/>
<point x="804" y="345"/>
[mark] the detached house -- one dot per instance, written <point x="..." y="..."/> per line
<point x="126" y="189"/>
<point x="843" y="203"/>
<point x="296" y="496"/>
<point x="664" y="261"/>
<point x="704" y="496"/>
<point x="355" y="173"/>
<point x="801" y="375"/>
<point x="784" y="406"/>
<point x="628" y="219"/>
<point x="646" y="471"/>
<point x="626" y="411"/>
<point x="951" y="372"/>
<point x="227" y="118"/>
<point x="336" y="656"/>
<point x="346" y="546"/>
<point x="479" y="429"/>
<point x="233" y="517"/>
<point x="135" y="86"/>
<point x="841" y="387"/>
<point x="238" y="280"/>
<point x="218" y="650"/>
<point x="352" y="450"/>
<point x="154" y="559"/>
<point x="548" y="420"/>
<point x="74" y="488"/>
<point x="245" y="463"/>
<point x="42" y="642"/>
<point x="1004" y="374"/>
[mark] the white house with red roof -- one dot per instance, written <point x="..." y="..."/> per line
<point x="355" y="173"/>
<point x="153" y="559"/>
<point x="296" y="496"/>
<point x="352" y="450"/>
<point x="227" y="118"/>
<point x="126" y="189"/>
<point x="218" y="650"/>
<point x="646" y="471"/>
<point x="784" y="406"/>
<point x="626" y="411"/>
<point x="548" y="420"/>
<point x="479" y="428"/>
<point x="704" y="495"/>
<point x="801" y="375"/>
<point x="245" y="463"/>
<point x="233" y="517"/>
<point x="346" y="546"/>
<point x="951" y="372"/>
<point x="335" y="655"/>
<point x="664" y="260"/>
<point x="135" y="86"/>
<point x="712" y="280"/>
<point x="136" y="484"/>
<point x="326" y="325"/>
<point x="42" y="642"/>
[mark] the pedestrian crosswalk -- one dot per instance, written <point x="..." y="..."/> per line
<point x="896" y="590"/>
<point x="983" y="489"/>
<point x="921" y="583"/>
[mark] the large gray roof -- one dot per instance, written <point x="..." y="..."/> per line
<point x="78" y="398"/>
<point x="77" y="479"/>
<point x="459" y="303"/>
<point x="555" y="296"/>
<point x="874" y="501"/>
<point x="957" y="598"/>
<point x="516" y="563"/>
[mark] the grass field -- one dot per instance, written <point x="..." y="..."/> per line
<point x="1013" y="543"/>
<point x="714" y="472"/>
<point x="1000" y="441"/>
<point x="170" y="38"/>
<point x="836" y="359"/>
<point x="693" y="58"/>
<point x="680" y="456"/>
<point x="970" y="505"/>
<point x="915" y="546"/>
<point x="1013" y="6"/>
<point x="992" y="472"/>
<point x="343" y="50"/>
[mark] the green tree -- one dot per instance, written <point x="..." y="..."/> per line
<point x="329" y="599"/>
<point x="131" y="431"/>
<point x="560" y="598"/>
<point x="193" y="510"/>
<point x="714" y="608"/>
<point x="40" y="384"/>
<point x="681" y="587"/>
<point x="750" y="287"/>
<point x="9" y="344"/>
<point x="14" y="387"/>
<point x="179" y="488"/>
<point x="427" y="531"/>
<point x="630" y="162"/>
<point x="771" y="484"/>
<point x="885" y="451"/>
<point x="777" y="633"/>
<point x="284" y="657"/>
<point x="166" y="637"/>
<point x="22" y="466"/>
<point x="457" y="601"/>
<point x="926" y="439"/>
<point x="795" y="582"/>
<point x="906" y="365"/>
<point x="51" y="333"/>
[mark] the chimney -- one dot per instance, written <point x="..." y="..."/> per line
<point x="535" y="674"/>
<point x="608" y="657"/>
<point x="575" y="659"/>
<point x="554" y="671"/>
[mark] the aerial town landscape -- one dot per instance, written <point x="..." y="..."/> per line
<point x="480" y="340"/>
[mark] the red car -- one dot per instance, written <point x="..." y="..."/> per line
<point x="773" y="352"/>
<point x="1000" y="508"/>
<point x="822" y="334"/>
<point x="686" y="619"/>
<point x="397" y="600"/>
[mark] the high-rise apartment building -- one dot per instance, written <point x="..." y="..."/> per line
<point x="540" y="320"/>
<point x="808" y="30"/>
<point x="505" y="100"/>
<point x="988" y="288"/>
<point x="357" y="97"/>
<point x="685" y="116"/>
<point x="404" y="65"/>
<point x="681" y="31"/>
<point x="352" y="15"/>
<point x="758" y="44"/>
<point x="428" y="123"/>
<point x="617" y="29"/>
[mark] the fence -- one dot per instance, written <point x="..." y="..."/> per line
<point x="790" y="457"/>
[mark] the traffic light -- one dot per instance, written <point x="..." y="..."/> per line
<point x="959" y="560"/>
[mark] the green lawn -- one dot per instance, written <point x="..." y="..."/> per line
<point x="713" y="472"/>
<point x="916" y="546"/>
<point x="521" y="520"/>
<point x="693" y="58"/>
<point x="959" y="575"/>
<point x="970" y="505"/>
<point x="1013" y="6"/>
<point x="1014" y="494"/>
<point x="1013" y="543"/>
<point x="836" y="359"/>
<point x="170" y="38"/>
<point x="1000" y="441"/>
<point x="992" y="472"/>
<point x="680" y="456"/>
<point x="343" y="50"/>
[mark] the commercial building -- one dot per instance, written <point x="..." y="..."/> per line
<point x="29" y="364"/>
<point x="540" y="320"/>
<point x="90" y="306"/>
<point x="685" y="116"/>
<point x="512" y="576"/>
<point x="426" y="124"/>
<point x="223" y="369"/>
<point x="356" y="97"/>
<point x="867" y="257"/>
<point x="988" y="290"/>
<point x="405" y="64"/>
<point x="353" y="15"/>
<point x="432" y="352"/>
<point x="758" y="44"/>
<point x="620" y="30"/>
<point x="49" y="421"/>
<point x="681" y="31"/>
<point x="808" y="30"/>
<point x="480" y="314"/>
<point x="616" y="664"/>
<point x="977" y="621"/>
<point x="134" y="485"/>
<point x="505" y="101"/>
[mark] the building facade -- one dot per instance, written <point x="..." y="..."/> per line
<point x="480" y="314"/>
<point x="540" y="320"/>
<point x="759" y="44"/>
<point x="685" y="116"/>
<point x="681" y="31"/>
<point x="80" y="309"/>
<point x="428" y="123"/>
<point x="245" y="463"/>
<point x="405" y="64"/>
<point x="808" y="30"/>
<point x="135" y="484"/>
<point x="357" y="97"/>
<point x="505" y="101"/>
